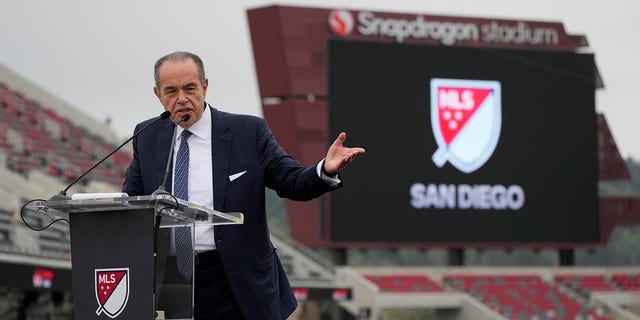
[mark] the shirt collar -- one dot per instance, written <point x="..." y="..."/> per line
<point x="200" y="128"/>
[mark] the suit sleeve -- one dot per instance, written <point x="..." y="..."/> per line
<point x="132" y="178"/>
<point x="285" y="175"/>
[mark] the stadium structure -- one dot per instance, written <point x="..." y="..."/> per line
<point x="338" y="272"/>
<point x="396" y="83"/>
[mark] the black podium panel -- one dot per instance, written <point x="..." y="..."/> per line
<point x="112" y="264"/>
<point x="112" y="244"/>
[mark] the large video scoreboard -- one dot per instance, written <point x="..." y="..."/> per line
<point x="464" y="144"/>
<point x="479" y="131"/>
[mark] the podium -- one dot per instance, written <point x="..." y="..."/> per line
<point x="123" y="265"/>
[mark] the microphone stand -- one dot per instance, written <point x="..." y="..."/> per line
<point x="162" y="190"/>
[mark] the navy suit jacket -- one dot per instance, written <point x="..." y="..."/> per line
<point x="240" y="143"/>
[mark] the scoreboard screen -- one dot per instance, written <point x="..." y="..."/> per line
<point x="464" y="145"/>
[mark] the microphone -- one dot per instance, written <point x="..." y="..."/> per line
<point x="62" y="195"/>
<point x="161" y="189"/>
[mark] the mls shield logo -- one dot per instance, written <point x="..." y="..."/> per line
<point x="112" y="290"/>
<point x="466" y="117"/>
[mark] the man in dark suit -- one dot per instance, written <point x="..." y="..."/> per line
<point x="232" y="158"/>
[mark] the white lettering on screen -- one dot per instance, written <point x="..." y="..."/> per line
<point x="465" y="196"/>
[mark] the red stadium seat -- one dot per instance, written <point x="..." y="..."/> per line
<point x="405" y="283"/>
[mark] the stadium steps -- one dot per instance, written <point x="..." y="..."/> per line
<point x="301" y="264"/>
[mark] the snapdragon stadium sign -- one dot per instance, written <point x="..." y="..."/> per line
<point x="444" y="30"/>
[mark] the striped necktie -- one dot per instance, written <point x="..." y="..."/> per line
<point x="184" y="246"/>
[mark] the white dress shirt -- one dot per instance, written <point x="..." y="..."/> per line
<point x="200" y="174"/>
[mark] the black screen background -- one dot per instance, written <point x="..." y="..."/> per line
<point x="379" y="93"/>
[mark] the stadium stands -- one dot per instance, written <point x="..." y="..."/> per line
<point x="627" y="282"/>
<point x="40" y="151"/>
<point x="36" y="137"/>
<point x="44" y="144"/>
<point x="586" y="283"/>
<point x="493" y="292"/>
<point x="405" y="283"/>
<point x="522" y="296"/>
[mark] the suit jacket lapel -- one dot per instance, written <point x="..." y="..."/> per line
<point x="221" y="150"/>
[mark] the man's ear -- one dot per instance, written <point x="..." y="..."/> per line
<point x="156" y="92"/>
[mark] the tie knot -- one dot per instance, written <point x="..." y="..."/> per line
<point x="186" y="134"/>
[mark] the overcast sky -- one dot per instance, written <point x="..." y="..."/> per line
<point x="99" y="55"/>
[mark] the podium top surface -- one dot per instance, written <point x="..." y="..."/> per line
<point x="174" y="212"/>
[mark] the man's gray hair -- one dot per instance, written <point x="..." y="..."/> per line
<point x="179" y="56"/>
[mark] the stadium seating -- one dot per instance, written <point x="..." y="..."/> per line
<point x="522" y="296"/>
<point x="627" y="282"/>
<point x="35" y="137"/>
<point x="404" y="283"/>
<point x="586" y="283"/>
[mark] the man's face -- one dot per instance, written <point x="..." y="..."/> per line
<point x="180" y="90"/>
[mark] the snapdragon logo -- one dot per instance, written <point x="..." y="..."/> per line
<point x="341" y="22"/>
